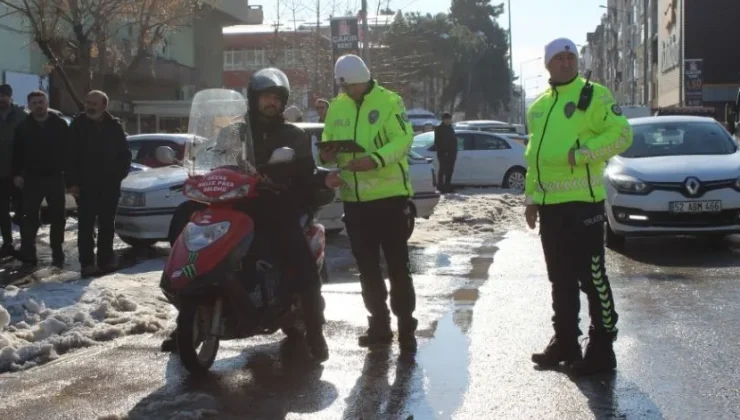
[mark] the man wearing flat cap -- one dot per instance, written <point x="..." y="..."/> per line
<point x="576" y="126"/>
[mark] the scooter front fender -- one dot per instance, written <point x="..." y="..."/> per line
<point x="185" y="265"/>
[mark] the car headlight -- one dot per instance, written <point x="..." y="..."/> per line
<point x="198" y="237"/>
<point x="629" y="185"/>
<point x="132" y="199"/>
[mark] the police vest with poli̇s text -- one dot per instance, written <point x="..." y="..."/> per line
<point x="559" y="122"/>
<point x="380" y="125"/>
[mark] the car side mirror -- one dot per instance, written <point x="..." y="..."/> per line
<point x="282" y="155"/>
<point x="165" y="155"/>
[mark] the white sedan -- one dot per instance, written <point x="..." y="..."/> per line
<point x="681" y="176"/>
<point x="483" y="158"/>
<point x="149" y="199"/>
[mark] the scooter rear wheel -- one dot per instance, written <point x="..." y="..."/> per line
<point x="192" y="333"/>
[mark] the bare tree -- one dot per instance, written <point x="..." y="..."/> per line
<point x="87" y="32"/>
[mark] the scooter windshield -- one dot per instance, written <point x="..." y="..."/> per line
<point x="219" y="132"/>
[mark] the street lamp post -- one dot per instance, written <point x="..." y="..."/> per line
<point x="511" y="54"/>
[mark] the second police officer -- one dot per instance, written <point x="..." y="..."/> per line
<point x="576" y="127"/>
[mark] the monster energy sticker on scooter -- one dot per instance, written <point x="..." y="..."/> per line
<point x="189" y="271"/>
<point x="192" y="257"/>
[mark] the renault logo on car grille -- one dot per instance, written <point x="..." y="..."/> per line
<point x="692" y="185"/>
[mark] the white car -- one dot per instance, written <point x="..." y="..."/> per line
<point x="149" y="198"/>
<point x="491" y="126"/>
<point x="420" y="117"/>
<point x="681" y="176"/>
<point x="483" y="158"/>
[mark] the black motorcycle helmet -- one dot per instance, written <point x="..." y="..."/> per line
<point x="268" y="80"/>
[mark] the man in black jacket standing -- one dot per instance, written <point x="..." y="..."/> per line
<point x="39" y="150"/>
<point x="11" y="115"/>
<point x="99" y="161"/>
<point x="445" y="143"/>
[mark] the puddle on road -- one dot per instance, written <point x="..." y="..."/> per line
<point x="465" y="297"/>
<point x="445" y="357"/>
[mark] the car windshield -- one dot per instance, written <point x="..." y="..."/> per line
<point x="679" y="139"/>
<point x="423" y="140"/>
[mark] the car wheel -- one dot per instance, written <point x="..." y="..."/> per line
<point x="612" y="239"/>
<point x="138" y="242"/>
<point x="515" y="179"/>
<point x="411" y="219"/>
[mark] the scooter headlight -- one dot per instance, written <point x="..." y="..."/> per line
<point x="198" y="237"/>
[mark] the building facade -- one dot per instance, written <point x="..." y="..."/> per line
<point x="642" y="48"/>
<point x="249" y="48"/>
<point x="23" y="68"/>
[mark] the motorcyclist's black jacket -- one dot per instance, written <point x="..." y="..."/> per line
<point x="304" y="181"/>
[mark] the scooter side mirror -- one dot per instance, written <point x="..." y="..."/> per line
<point x="165" y="155"/>
<point x="282" y="155"/>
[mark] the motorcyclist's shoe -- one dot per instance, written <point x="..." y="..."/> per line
<point x="317" y="346"/>
<point x="378" y="333"/>
<point x="169" y="345"/>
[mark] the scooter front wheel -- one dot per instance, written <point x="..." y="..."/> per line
<point x="197" y="344"/>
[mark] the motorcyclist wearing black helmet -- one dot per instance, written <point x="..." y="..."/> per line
<point x="277" y="216"/>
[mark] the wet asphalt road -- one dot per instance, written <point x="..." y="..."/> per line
<point x="483" y="308"/>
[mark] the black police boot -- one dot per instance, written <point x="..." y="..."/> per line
<point x="600" y="357"/>
<point x="169" y="345"/>
<point x="379" y="332"/>
<point x="407" y="334"/>
<point x="559" y="350"/>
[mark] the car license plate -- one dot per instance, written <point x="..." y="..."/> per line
<point x="707" y="206"/>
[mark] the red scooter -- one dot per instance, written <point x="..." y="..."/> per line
<point x="223" y="280"/>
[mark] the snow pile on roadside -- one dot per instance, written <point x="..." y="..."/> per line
<point x="40" y="323"/>
<point x="473" y="212"/>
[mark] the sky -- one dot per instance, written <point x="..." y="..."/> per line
<point x="533" y="24"/>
